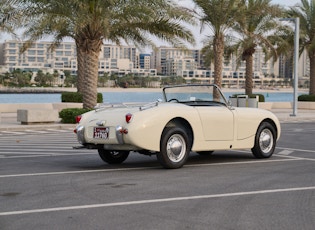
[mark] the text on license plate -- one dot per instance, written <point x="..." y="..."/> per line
<point x="101" y="132"/>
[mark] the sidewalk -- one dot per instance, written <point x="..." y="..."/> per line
<point x="8" y="121"/>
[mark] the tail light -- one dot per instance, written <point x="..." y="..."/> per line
<point x="128" y="117"/>
<point x="78" y="118"/>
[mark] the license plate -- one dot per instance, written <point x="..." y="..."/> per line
<point x="101" y="132"/>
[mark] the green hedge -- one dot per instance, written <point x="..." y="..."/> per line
<point x="306" y="97"/>
<point x="77" y="97"/>
<point x="68" y="115"/>
<point x="261" y="97"/>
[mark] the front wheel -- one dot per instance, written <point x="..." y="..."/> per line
<point x="174" y="148"/>
<point x="113" y="157"/>
<point x="265" y="141"/>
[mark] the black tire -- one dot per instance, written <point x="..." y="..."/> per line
<point x="265" y="141"/>
<point x="205" y="153"/>
<point x="174" y="148"/>
<point x="113" y="157"/>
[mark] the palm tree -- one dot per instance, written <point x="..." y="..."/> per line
<point x="254" y="29"/>
<point x="90" y="22"/>
<point x="305" y="11"/>
<point x="10" y="15"/>
<point x="219" y="16"/>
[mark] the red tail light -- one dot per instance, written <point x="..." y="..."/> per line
<point x="128" y="117"/>
<point x="78" y="118"/>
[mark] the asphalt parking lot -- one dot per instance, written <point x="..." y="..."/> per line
<point x="44" y="184"/>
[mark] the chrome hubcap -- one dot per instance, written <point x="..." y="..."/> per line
<point x="266" y="141"/>
<point x="176" y="148"/>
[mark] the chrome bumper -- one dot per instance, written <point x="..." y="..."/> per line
<point x="80" y="134"/>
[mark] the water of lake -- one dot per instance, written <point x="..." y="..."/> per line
<point x="118" y="97"/>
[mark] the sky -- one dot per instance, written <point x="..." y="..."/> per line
<point x="286" y="2"/>
<point x="199" y="37"/>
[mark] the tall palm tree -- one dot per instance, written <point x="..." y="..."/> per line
<point x="254" y="29"/>
<point x="219" y="16"/>
<point x="90" y="22"/>
<point x="306" y="12"/>
<point x="10" y="15"/>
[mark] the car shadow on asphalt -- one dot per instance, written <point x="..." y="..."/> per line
<point x="136" y="160"/>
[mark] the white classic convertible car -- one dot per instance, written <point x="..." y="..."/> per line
<point x="190" y="118"/>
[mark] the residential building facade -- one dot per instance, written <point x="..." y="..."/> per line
<point x="163" y="61"/>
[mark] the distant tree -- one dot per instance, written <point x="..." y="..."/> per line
<point x="219" y="16"/>
<point x="305" y="11"/>
<point x="19" y="78"/>
<point x="43" y="79"/>
<point x="102" y="80"/>
<point x="257" y="22"/>
<point x="56" y="76"/>
<point x="70" y="80"/>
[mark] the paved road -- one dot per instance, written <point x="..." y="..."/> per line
<point x="44" y="184"/>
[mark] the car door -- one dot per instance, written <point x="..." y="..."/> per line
<point x="217" y="122"/>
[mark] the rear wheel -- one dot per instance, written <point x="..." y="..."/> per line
<point x="113" y="157"/>
<point x="174" y="148"/>
<point x="265" y="141"/>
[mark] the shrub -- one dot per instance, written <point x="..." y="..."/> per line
<point x="306" y="97"/>
<point x="68" y="115"/>
<point x="77" y="97"/>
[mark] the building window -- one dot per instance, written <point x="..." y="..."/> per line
<point x="31" y="52"/>
<point x="31" y="59"/>
<point x="59" y="53"/>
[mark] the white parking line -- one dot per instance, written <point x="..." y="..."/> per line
<point x="143" y="168"/>
<point x="171" y="199"/>
<point x="11" y="132"/>
<point x="297" y="158"/>
<point x="59" y="130"/>
<point x="30" y="155"/>
<point x="299" y="150"/>
<point x="285" y="152"/>
<point x="35" y="131"/>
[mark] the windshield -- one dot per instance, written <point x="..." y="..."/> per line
<point x="193" y="93"/>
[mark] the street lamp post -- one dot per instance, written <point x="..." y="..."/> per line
<point x="296" y="61"/>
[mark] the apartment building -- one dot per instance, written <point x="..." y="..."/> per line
<point x="165" y="61"/>
<point x="162" y="56"/>
<point x="113" y="59"/>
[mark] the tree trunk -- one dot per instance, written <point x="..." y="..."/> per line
<point x="91" y="74"/>
<point x="80" y="68"/>
<point x="312" y="74"/>
<point x="218" y="48"/>
<point x="249" y="74"/>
